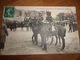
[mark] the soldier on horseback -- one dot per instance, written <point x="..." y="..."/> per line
<point x="49" y="17"/>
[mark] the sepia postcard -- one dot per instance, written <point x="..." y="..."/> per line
<point x="28" y="30"/>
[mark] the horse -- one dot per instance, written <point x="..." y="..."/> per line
<point x="61" y="32"/>
<point x="44" y="29"/>
<point x="36" y="30"/>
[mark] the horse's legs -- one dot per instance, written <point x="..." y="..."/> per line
<point x="10" y="28"/>
<point x="41" y="41"/>
<point x="51" y="40"/>
<point x="59" y="40"/>
<point x="63" y="43"/>
<point x="33" y="38"/>
<point x="36" y="39"/>
<point x="56" y="39"/>
<point x="44" y="43"/>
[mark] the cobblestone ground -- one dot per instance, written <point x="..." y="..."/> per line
<point x="19" y="42"/>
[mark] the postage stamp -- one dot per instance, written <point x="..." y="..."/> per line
<point x="8" y="11"/>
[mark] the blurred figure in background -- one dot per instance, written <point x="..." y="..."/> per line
<point x="22" y="25"/>
<point x="70" y="26"/>
<point x="14" y="26"/>
<point x="4" y="33"/>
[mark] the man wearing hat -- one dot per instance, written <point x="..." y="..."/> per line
<point x="49" y="17"/>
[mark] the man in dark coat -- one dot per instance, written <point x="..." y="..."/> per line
<point x="71" y="26"/>
<point x="4" y="33"/>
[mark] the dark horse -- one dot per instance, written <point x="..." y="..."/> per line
<point x="60" y="33"/>
<point x="44" y="29"/>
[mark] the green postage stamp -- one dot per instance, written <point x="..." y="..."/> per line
<point x="8" y="12"/>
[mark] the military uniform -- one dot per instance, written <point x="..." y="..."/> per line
<point x="49" y="17"/>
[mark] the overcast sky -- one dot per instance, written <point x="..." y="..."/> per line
<point x="54" y="9"/>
